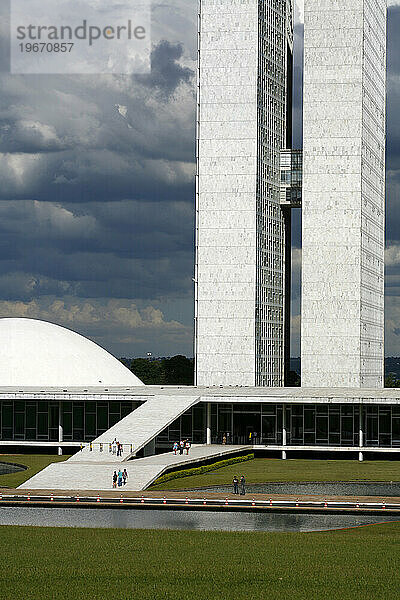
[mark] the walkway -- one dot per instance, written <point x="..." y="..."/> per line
<point x="79" y="475"/>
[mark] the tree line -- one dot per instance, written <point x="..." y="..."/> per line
<point x="177" y="370"/>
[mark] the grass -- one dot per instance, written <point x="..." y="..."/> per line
<point x="42" y="563"/>
<point x="34" y="462"/>
<point x="262" y="470"/>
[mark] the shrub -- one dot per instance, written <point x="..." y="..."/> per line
<point x="204" y="469"/>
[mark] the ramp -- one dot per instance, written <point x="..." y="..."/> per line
<point x="139" y="428"/>
<point x="142" y="472"/>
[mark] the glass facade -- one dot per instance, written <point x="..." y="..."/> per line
<point x="306" y="424"/>
<point x="190" y="425"/>
<point x="36" y="420"/>
<point x="291" y="167"/>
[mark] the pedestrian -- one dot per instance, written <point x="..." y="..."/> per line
<point x="114" y="479"/>
<point x="114" y="446"/>
<point x="181" y="446"/>
<point x="255" y="434"/>
<point x="187" y="446"/>
<point x="235" y="485"/>
<point x="224" y="440"/>
<point x="175" y="447"/>
<point x="250" y="434"/>
<point x="125" y="476"/>
<point x="242" y="485"/>
<point x="119" y="478"/>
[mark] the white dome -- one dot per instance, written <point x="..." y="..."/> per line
<point x="39" y="354"/>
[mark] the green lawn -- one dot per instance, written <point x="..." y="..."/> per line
<point x="34" y="462"/>
<point x="75" y="564"/>
<point x="261" y="470"/>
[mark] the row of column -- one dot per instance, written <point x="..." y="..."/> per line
<point x="284" y="430"/>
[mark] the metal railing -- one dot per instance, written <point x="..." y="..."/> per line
<point x="107" y="447"/>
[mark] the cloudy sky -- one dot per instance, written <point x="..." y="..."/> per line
<point x="97" y="195"/>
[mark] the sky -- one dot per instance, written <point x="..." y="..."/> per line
<point x="97" y="195"/>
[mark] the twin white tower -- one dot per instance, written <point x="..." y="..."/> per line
<point x="243" y="226"/>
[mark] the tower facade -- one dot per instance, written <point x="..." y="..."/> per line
<point x="344" y="193"/>
<point x="244" y="120"/>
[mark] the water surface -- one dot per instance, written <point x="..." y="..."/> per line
<point x="177" y="520"/>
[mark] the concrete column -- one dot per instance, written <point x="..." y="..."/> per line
<point x="60" y="428"/>
<point x="361" y="433"/>
<point x="208" y="424"/>
<point x="284" y="431"/>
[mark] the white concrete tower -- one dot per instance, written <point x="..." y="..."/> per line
<point x="344" y="193"/>
<point x="245" y="58"/>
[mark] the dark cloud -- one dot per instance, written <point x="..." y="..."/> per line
<point x="102" y="250"/>
<point x="97" y="202"/>
<point x="166" y="72"/>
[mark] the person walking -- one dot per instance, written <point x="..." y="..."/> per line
<point x="124" y="476"/>
<point x="187" y="446"/>
<point x="235" y="485"/>
<point x="114" y="479"/>
<point x="242" y="485"/>
<point x="119" y="478"/>
<point x="224" y="440"/>
<point x="181" y="446"/>
<point x="114" y="446"/>
<point x="175" y="447"/>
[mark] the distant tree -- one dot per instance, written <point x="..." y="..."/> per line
<point x="151" y="372"/>
<point x="179" y="370"/>
<point x="391" y="381"/>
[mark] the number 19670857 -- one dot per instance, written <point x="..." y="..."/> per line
<point x="46" y="47"/>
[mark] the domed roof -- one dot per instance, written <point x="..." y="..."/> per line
<point x="40" y="354"/>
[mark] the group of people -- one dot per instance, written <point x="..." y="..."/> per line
<point x="242" y="483"/>
<point x="252" y="437"/>
<point x="119" y="479"/>
<point x="117" y="448"/>
<point x="225" y="438"/>
<point x="181" y="446"/>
